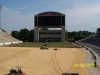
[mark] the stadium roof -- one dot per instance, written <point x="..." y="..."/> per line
<point x="50" y="13"/>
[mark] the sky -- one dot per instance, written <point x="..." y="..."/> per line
<point x="80" y="14"/>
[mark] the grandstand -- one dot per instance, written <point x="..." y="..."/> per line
<point x="92" y="44"/>
<point x="6" y="39"/>
<point x="92" y="40"/>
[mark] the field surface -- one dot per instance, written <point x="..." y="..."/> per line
<point x="49" y="44"/>
<point x="34" y="61"/>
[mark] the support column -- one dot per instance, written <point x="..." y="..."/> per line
<point x="63" y="34"/>
<point x="36" y="33"/>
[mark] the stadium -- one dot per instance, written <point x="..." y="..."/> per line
<point x="45" y="58"/>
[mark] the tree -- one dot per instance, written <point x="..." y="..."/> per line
<point x="73" y="36"/>
<point x="74" y="33"/>
<point x="76" y="38"/>
<point x="15" y="34"/>
<point x="98" y="29"/>
<point x="24" y="35"/>
<point x="31" y="35"/>
<point x="98" y="32"/>
<point x="28" y="35"/>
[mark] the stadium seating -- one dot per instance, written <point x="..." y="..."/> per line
<point x="93" y="40"/>
<point x="6" y="39"/>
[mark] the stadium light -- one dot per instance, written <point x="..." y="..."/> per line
<point x="0" y="15"/>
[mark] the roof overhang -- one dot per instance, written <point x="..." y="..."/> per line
<point x="50" y="13"/>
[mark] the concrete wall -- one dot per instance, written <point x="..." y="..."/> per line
<point x="7" y="43"/>
<point x="36" y="33"/>
<point x="63" y="38"/>
<point x="1" y="44"/>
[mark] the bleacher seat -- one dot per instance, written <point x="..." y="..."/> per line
<point x="8" y="39"/>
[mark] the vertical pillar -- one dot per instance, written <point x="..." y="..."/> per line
<point x="36" y="33"/>
<point x="63" y="34"/>
<point x="66" y="36"/>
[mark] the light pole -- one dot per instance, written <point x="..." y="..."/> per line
<point x="0" y="15"/>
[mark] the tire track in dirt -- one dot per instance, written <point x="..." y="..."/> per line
<point x="55" y="62"/>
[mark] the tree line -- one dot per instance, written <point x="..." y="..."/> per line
<point x="24" y="35"/>
<point x="28" y="35"/>
<point x="98" y="32"/>
<point x="74" y="36"/>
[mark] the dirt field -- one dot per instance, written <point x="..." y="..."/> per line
<point x="34" y="61"/>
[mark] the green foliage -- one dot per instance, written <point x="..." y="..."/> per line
<point x="98" y="32"/>
<point x="15" y="34"/>
<point x="28" y="35"/>
<point x="74" y="36"/>
<point x="98" y="29"/>
<point x="24" y="35"/>
<point x="31" y="35"/>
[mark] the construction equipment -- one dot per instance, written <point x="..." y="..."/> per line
<point x="16" y="72"/>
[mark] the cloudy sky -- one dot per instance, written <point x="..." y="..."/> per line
<point x="80" y="14"/>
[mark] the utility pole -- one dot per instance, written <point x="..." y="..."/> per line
<point x="0" y="15"/>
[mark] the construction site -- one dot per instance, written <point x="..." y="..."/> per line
<point x="43" y="62"/>
<point x="81" y="58"/>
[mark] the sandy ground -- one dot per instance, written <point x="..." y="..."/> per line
<point x="34" y="61"/>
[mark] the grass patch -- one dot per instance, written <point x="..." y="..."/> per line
<point x="49" y="44"/>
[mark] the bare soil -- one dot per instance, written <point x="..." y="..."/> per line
<point x="34" y="61"/>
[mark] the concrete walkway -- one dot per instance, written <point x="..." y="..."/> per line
<point x="89" y="59"/>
